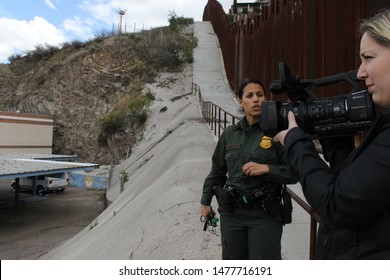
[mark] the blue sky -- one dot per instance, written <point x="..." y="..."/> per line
<point x="24" y="24"/>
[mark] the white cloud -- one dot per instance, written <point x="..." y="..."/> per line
<point x="80" y="28"/>
<point x="16" y="35"/>
<point x="50" y="4"/>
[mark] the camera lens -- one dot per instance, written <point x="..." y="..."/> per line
<point x="330" y="117"/>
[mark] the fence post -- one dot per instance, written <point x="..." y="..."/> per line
<point x="122" y="183"/>
<point x="110" y="174"/>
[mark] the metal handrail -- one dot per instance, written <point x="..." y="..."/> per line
<point x="219" y="119"/>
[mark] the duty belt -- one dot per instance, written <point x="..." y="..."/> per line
<point x="229" y="198"/>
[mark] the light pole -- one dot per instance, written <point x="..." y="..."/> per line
<point x="121" y="13"/>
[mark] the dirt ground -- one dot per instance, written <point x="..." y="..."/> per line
<point x="39" y="224"/>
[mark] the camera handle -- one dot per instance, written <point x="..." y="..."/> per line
<point x="349" y="77"/>
<point x="300" y="90"/>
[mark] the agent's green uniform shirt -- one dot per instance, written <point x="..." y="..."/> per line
<point x="238" y="145"/>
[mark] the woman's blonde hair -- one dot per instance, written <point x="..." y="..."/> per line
<point x="378" y="27"/>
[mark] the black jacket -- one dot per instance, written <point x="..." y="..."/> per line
<point x="354" y="202"/>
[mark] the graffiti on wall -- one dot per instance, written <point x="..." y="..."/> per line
<point x="88" y="181"/>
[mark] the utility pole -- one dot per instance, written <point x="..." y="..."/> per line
<point x="121" y="14"/>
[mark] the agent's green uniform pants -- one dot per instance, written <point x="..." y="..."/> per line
<point x="253" y="235"/>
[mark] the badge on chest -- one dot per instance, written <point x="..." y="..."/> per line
<point x="266" y="142"/>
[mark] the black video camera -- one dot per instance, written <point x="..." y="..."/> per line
<point x="320" y="118"/>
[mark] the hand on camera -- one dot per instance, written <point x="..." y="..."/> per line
<point x="291" y="124"/>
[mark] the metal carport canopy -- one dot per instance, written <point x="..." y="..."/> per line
<point x="18" y="166"/>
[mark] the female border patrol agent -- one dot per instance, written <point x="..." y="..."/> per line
<point x="247" y="173"/>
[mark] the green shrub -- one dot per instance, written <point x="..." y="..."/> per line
<point x="14" y="57"/>
<point x="76" y="44"/>
<point x="138" y="108"/>
<point x="112" y="121"/>
<point x="101" y="35"/>
<point x="102" y="140"/>
<point x="138" y="68"/>
<point x="40" y="79"/>
<point x="176" y="23"/>
<point x="92" y="48"/>
<point x="125" y="176"/>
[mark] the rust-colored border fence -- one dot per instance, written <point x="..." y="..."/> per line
<point x="315" y="38"/>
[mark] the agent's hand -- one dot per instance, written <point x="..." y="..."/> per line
<point x="291" y="124"/>
<point x="205" y="210"/>
<point x="255" y="169"/>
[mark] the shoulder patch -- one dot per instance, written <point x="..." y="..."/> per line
<point x="266" y="142"/>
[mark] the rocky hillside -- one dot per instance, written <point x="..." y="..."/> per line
<point x="82" y="84"/>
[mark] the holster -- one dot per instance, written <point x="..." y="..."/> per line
<point x="286" y="206"/>
<point x="271" y="202"/>
<point x="225" y="197"/>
